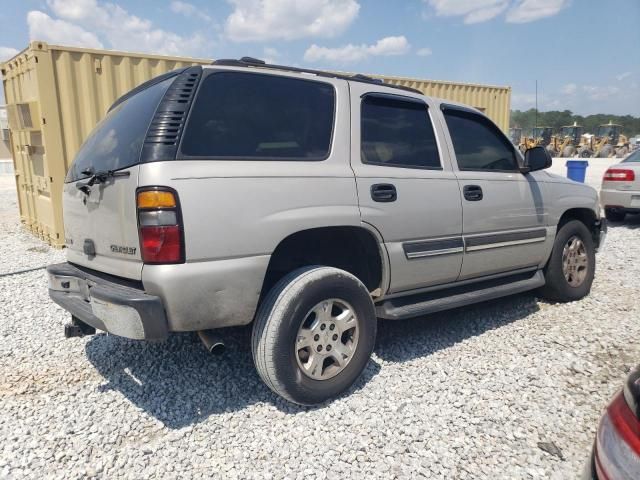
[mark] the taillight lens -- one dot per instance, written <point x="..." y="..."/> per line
<point x="617" y="454"/>
<point x="619" y="175"/>
<point x="160" y="226"/>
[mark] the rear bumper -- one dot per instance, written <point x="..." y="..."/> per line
<point x="620" y="199"/>
<point x="107" y="305"/>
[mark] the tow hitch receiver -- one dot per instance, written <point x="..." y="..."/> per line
<point x="77" y="328"/>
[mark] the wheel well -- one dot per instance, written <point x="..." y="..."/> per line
<point x="353" y="249"/>
<point x="584" y="215"/>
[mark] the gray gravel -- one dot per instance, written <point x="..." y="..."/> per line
<point x="508" y="389"/>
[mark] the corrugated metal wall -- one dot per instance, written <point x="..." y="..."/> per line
<point x="56" y="95"/>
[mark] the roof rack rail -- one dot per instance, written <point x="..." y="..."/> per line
<point x="255" y="62"/>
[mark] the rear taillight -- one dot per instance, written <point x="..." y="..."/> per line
<point x="619" y="175"/>
<point x="160" y="226"/>
<point x="617" y="453"/>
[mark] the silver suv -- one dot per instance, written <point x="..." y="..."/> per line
<point x="311" y="204"/>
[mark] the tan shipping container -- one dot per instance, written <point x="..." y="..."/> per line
<point x="55" y="96"/>
<point x="493" y="101"/>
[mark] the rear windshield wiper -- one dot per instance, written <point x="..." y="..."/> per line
<point x="100" y="176"/>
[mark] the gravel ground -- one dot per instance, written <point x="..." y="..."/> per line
<point x="464" y="394"/>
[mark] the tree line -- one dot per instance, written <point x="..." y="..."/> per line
<point x="556" y="119"/>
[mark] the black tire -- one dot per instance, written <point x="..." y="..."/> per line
<point x="557" y="287"/>
<point x="585" y="153"/>
<point x="607" y="152"/>
<point x="614" y="215"/>
<point x="282" y="313"/>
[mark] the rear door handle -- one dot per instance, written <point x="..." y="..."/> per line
<point x="473" y="193"/>
<point x="383" y="192"/>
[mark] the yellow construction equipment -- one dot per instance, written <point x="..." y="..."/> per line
<point x="540" y="137"/>
<point x="606" y="143"/>
<point x="567" y="142"/>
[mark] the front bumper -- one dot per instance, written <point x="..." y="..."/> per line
<point x="600" y="233"/>
<point x="107" y="305"/>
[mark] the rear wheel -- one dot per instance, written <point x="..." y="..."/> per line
<point x="614" y="215"/>
<point x="313" y="334"/>
<point x="571" y="267"/>
<point x="622" y="152"/>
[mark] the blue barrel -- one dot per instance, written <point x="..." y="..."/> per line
<point x="577" y="170"/>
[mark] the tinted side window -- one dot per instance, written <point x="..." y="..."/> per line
<point x="116" y="141"/>
<point x="478" y="144"/>
<point x="255" y="116"/>
<point x="398" y="133"/>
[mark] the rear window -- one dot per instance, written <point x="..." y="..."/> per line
<point x="117" y="140"/>
<point x="260" y="117"/>
<point x="634" y="157"/>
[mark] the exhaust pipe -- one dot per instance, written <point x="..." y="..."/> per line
<point x="212" y="342"/>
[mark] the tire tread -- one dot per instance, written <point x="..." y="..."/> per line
<point x="268" y="319"/>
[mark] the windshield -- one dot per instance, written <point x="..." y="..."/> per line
<point x="541" y="132"/>
<point x="573" y="132"/>
<point x="634" y="157"/>
<point x="606" y="131"/>
<point x="117" y="140"/>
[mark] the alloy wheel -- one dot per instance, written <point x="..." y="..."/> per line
<point x="327" y="339"/>
<point x="575" y="262"/>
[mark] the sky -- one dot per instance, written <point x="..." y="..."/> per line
<point x="585" y="54"/>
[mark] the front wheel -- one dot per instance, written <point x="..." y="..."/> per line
<point x="607" y="152"/>
<point x="314" y="334"/>
<point x="569" y="151"/>
<point x="571" y="267"/>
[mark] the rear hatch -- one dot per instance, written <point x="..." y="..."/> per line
<point x="99" y="198"/>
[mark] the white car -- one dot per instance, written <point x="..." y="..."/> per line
<point x="620" y="192"/>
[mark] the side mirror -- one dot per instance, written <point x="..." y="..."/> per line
<point x="536" y="158"/>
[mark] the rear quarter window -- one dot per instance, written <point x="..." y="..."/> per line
<point x="116" y="142"/>
<point x="260" y="117"/>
